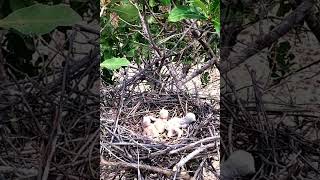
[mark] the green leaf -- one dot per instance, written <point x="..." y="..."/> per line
<point x="215" y="8"/>
<point x="40" y="19"/>
<point x="127" y="12"/>
<point x="166" y="2"/>
<point x="215" y="15"/>
<point x="217" y="26"/>
<point x="152" y="3"/>
<point x="131" y="53"/>
<point x="151" y="20"/>
<point x="204" y="7"/>
<point x="184" y="12"/>
<point x="114" y="63"/>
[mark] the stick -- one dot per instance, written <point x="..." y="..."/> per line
<point x="166" y="172"/>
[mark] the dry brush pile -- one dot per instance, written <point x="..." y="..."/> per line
<point x="49" y="120"/>
<point x="49" y="101"/>
<point x="273" y="116"/>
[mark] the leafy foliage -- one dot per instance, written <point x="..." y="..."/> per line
<point x="26" y="21"/>
<point x="127" y="12"/>
<point x="115" y="29"/>
<point x="166" y="2"/>
<point x="40" y="19"/>
<point x="122" y="35"/>
<point x="115" y="63"/>
<point x="184" y="12"/>
<point x="199" y="10"/>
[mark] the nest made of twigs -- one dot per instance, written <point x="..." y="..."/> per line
<point x="123" y="144"/>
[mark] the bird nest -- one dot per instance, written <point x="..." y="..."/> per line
<point x="127" y="154"/>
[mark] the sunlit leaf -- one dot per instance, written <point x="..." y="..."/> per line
<point x="152" y="3"/>
<point x="114" y="63"/>
<point x="184" y="12"/>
